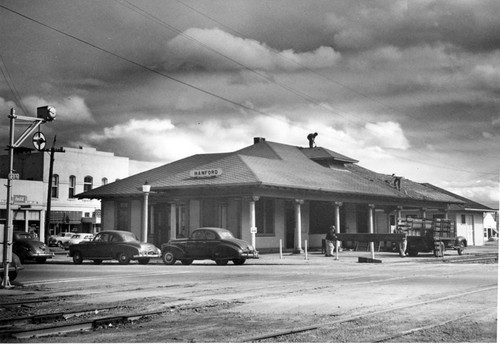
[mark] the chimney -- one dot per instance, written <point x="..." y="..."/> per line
<point x="258" y="139"/>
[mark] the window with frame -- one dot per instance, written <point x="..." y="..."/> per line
<point x="464" y="219"/>
<point x="87" y="183"/>
<point x="54" y="192"/>
<point x="264" y="216"/>
<point x="71" y="187"/>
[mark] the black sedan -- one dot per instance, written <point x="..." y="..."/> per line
<point x="217" y="244"/>
<point x="114" y="245"/>
<point x="28" y="247"/>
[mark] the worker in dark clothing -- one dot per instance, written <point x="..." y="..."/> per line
<point x="396" y="181"/>
<point x="311" y="138"/>
<point x="330" y="241"/>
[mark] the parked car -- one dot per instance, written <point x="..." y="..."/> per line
<point x="14" y="266"/>
<point x="213" y="243"/>
<point x="28" y="247"/>
<point x="119" y="245"/>
<point x="77" y="238"/>
<point x="60" y="239"/>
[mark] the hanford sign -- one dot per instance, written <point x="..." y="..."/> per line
<point x="207" y="173"/>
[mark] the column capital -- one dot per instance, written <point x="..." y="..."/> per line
<point x="255" y="198"/>
<point x="299" y="201"/>
<point x="338" y="204"/>
<point x="372" y="206"/>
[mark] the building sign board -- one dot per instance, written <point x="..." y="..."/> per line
<point x="20" y="198"/>
<point x="206" y="173"/>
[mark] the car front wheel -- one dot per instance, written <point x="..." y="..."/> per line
<point x="40" y="260"/>
<point x="461" y="248"/>
<point x="123" y="258"/>
<point x="239" y="261"/>
<point x="168" y="258"/>
<point x="97" y="261"/>
<point x="77" y="257"/>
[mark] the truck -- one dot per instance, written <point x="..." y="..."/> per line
<point x="426" y="235"/>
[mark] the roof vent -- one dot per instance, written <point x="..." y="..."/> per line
<point x="258" y="139"/>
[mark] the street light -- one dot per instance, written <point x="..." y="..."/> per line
<point x="146" y="188"/>
<point x="44" y="114"/>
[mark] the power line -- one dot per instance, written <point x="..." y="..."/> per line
<point x="11" y="85"/>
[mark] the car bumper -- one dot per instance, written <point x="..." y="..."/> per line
<point x="40" y="255"/>
<point x="250" y="255"/>
<point x="147" y="255"/>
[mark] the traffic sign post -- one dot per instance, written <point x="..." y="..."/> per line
<point x="39" y="141"/>
<point x="44" y="114"/>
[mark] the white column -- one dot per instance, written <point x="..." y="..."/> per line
<point x="423" y="212"/>
<point x="371" y="208"/>
<point x="298" y="226"/>
<point x="173" y="221"/>
<point x="399" y="215"/>
<point x="253" y="228"/>
<point x="144" y="236"/>
<point x="42" y="225"/>
<point x="337" y="225"/>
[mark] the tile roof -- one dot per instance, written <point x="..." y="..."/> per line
<point x="276" y="165"/>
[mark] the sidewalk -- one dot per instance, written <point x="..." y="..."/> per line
<point x="316" y="257"/>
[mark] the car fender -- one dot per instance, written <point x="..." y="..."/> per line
<point x="176" y="250"/>
<point x="461" y="239"/>
<point x="226" y="251"/>
<point x="124" y="248"/>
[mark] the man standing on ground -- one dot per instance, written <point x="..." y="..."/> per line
<point x="330" y="241"/>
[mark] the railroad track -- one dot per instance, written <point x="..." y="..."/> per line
<point x="56" y="323"/>
<point x="285" y="335"/>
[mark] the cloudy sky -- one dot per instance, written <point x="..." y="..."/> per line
<point x="405" y="87"/>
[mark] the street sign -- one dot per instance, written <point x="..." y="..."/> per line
<point x="39" y="141"/>
<point x="13" y="176"/>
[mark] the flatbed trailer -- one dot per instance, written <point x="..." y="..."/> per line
<point x="437" y="235"/>
<point x="416" y="235"/>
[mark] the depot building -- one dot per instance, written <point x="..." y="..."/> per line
<point x="270" y="194"/>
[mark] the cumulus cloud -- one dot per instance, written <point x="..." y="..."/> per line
<point x="487" y="75"/>
<point x="72" y="109"/>
<point x="194" y="49"/>
<point x="386" y="135"/>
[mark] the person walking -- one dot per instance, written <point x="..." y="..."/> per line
<point x="330" y="241"/>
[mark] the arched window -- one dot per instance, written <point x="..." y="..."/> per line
<point x="104" y="181"/>
<point x="87" y="183"/>
<point x="54" y="193"/>
<point x="72" y="186"/>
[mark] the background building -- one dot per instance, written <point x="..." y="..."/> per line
<point x="75" y="170"/>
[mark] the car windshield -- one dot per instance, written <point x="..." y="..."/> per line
<point x="226" y="235"/>
<point x="76" y="236"/>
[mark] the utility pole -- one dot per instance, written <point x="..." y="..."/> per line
<point x="44" y="114"/>
<point x="49" y="191"/>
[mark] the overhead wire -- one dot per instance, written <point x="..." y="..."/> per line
<point x="11" y="85"/>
